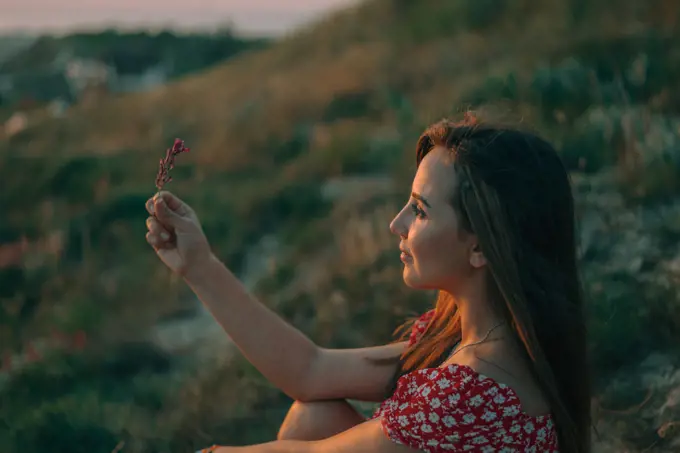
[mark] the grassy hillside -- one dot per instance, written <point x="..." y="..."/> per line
<point x="273" y="133"/>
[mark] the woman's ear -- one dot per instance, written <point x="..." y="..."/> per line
<point x="477" y="258"/>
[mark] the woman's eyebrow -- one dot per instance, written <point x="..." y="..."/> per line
<point x="419" y="197"/>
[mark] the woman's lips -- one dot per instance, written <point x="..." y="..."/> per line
<point x="405" y="257"/>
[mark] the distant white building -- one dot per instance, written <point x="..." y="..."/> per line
<point x="149" y="79"/>
<point x="57" y="108"/>
<point x="82" y="74"/>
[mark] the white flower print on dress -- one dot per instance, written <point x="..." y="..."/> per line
<point x="540" y="434"/>
<point x="454" y="439"/>
<point x="489" y="416"/>
<point x="449" y="421"/>
<point x="492" y="391"/>
<point x="510" y="411"/>
<point x="479" y="440"/>
<point x="475" y="401"/>
<point x="468" y="419"/>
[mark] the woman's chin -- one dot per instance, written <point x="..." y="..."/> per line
<point x="410" y="278"/>
<point x="413" y="280"/>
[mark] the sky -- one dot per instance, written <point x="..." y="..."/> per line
<point x="271" y="17"/>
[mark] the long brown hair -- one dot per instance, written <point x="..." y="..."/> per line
<point x="514" y="194"/>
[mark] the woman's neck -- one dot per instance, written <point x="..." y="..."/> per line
<point x="477" y="315"/>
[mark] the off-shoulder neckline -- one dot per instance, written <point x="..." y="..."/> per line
<point x="453" y="367"/>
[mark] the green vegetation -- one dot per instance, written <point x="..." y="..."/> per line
<point x="268" y="131"/>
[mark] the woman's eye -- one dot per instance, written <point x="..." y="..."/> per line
<point x="417" y="211"/>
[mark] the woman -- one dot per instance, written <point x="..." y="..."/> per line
<point x="498" y="365"/>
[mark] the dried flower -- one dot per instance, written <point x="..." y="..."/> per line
<point x="168" y="163"/>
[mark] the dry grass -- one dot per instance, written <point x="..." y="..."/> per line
<point x="246" y="103"/>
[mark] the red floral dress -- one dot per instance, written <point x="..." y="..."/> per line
<point x="455" y="409"/>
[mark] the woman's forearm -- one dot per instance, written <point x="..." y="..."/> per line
<point x="283" y="354"/>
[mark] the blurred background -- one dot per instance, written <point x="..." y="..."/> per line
<point x="302" y="117"/>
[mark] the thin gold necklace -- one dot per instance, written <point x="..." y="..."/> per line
<point x="456" y="351"/>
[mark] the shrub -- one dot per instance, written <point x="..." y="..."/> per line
<point x="495" y="89"/>
<point x="568" y="87"/>
<point x="358" y="104"/>
<point x="83" y="402"/>
<point x="589" y="146"/>
<point x="644" y="147"/>
<point x="481" y="14"/>
<point x="619" y="322"/>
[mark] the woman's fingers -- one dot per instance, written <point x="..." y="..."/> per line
<point x="158" y="243"/>
<point x="155" y="227"/>
<point x="158" y="234"/>
<point x="153" y="240"/>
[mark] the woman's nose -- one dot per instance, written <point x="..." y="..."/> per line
<point x="397" y="226"/>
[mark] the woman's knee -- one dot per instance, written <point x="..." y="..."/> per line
<point x="318" y="420"/>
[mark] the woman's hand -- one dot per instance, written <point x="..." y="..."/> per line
<point x="175" y="233"/>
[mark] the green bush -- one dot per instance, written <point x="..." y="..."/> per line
<point x="629" y="69"/>
<point x="348" y="155"/>
<point x="495" y="89"/>
<point x="83" y="402"/>
<point x="620" y="326"/>
<point x="451" y="16"/>
<point x="32" y="181"/>
<point x="590" y="145"/>
<point x="350" y="105"/>
<point x="651" y="170"/>
<point x="481" y="14"/>
<point x="567" y="87"/>
<point x="293" y="203"/>
<point x="75" y="179"/>
<point x="284" y="150"/>
<point x="66" y="428"/>
<point x="644" y="147"/>
<point x="112" y="227"/>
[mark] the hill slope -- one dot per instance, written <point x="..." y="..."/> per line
<point x="276" y="136"/>
<point x="379" y="49"/>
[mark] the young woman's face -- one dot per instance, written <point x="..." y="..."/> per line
<point x="436" y="253"/>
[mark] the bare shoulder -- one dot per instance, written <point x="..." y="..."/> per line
<point x="504" y="366"/>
